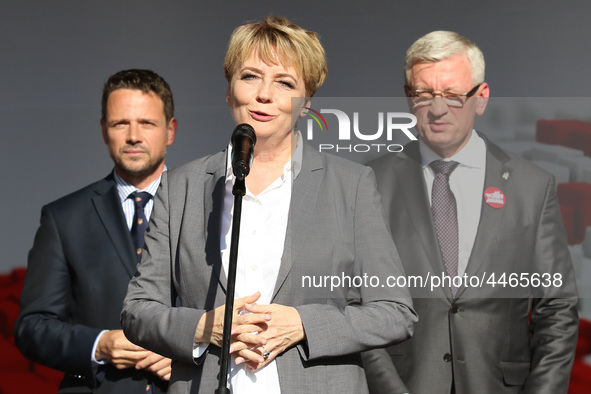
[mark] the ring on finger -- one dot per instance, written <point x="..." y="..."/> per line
<point x="266" y="353"/>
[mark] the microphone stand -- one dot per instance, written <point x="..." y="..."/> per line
<point x="238" y="190"/>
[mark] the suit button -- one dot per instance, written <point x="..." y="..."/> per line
<point x="447" y="357"/>
<point x="454" y="308"/>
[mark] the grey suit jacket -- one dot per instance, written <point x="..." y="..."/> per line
<point x="484" y="341"/>
<point x="336" y="227"/>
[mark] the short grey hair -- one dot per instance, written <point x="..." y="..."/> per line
<point x="440" y="45"/>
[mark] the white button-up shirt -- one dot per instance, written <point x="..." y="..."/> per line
<point x="467" y="185"/>
<point x="263" y="227"/>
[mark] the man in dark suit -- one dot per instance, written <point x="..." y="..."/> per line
<point x="84" y="254"/>
<point x="459" y="206"/>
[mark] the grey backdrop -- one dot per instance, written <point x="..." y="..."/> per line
<point x="55" y="56"/>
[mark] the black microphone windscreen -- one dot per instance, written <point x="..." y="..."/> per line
<point x="243" y="142"/>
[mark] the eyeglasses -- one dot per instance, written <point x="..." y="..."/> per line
<point x="423" y="97"/>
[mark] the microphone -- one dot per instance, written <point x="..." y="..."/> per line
<point x="243" y="141"/>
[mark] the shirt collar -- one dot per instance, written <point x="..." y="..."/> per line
<point x="472" y="155"/>
<point x="124" y="189"/>
<point x="294" y="165"/>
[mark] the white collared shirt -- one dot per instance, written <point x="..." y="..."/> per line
<point x="263" y="227"/>
<point x="467" y="185"/>
<point x="124" y="189"/>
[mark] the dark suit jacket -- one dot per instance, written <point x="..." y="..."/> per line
<point x="336" y="227"/>
<point x="77" y="276"/>
<point x="483" y="340"/>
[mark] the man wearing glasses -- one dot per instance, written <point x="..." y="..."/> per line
<point x="486" y="225"/>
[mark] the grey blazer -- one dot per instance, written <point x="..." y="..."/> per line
<point x="336" y="226"/>
<point x="483" y="341"/>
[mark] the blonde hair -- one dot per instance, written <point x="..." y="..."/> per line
<point x="440" y="45"/>
<point x="277" y="40"/>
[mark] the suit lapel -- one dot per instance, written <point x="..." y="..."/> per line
<point x="490" y="218"/>
<point x="213" y="204"/>
<point x="304" y="194"/>
<point x="108" y="207"/>
<point x="409" y="174"/>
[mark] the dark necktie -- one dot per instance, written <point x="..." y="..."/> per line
<point x="445" y="217"/>
<point x="140" y="223"/>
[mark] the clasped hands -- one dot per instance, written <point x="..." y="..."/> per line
<point x="114" y="347"/>
<point x="268" y="329"/>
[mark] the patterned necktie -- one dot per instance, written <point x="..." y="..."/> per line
<point x="445" y="217"/>
<point x="140" y="223"/>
